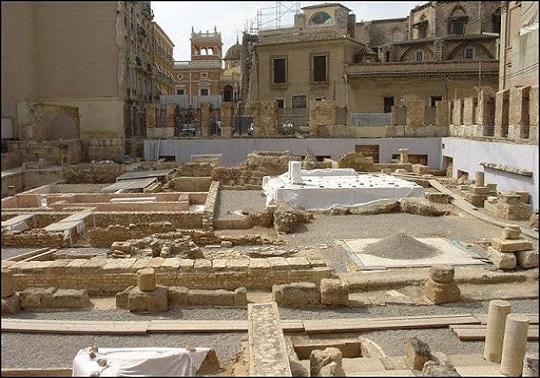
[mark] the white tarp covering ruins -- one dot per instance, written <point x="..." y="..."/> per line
<point x="322" y="189"/>
<point x="140" y="362"/>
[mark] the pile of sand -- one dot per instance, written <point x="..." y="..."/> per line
<point x="400" y="246"/>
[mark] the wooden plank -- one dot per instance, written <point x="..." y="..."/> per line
<point x="173" y="326"/>
<point x="533" y="318"/>
<point x="61" y="372"/>
<point x="472" y="334"/>
<point x="323" y="326"/>
<point x="75" y="327"/>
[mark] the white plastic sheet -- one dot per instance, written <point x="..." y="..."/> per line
<point x="140" y="362"/>
<point x="322" y="189"/>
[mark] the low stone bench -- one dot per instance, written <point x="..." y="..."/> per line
<point x="268" y="355"/>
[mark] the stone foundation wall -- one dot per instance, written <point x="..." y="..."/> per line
<point x="37" y="238"/>
<point x="102" y="276"/>
<point x="210" y="206"/>
<point x="190" y="184"/>
<point x="103" y="149"/>
<point x="106" y="236"/>
<point x="202" y="169"/>
<point x="238" y="177"/>
<point x="93" y="173"/>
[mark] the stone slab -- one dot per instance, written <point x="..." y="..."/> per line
<point x="509" y="245"/>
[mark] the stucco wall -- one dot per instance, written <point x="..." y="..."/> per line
<point x="467" y="154"/>
<point x="234" y="151"/>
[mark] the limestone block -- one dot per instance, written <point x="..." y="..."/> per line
<point x="238" y="264"/>
<point x="296" y="294"/>
<point x="331" y="358"/>
<point x="178" y="295"/>
<point x="527" y="259"/>
<point x="11" y="304"/>
<point x="334" y="292"/>
<point x="202" y="265"/>
<point x="417" y="353"/>
<point x="278" y="263"/>
<point x="124" y="246"/>
<point x="122" y="298"/>
<point x="36" y="297"/>
<point x="511" y="232"/>
<point x="420" y="169"/>
<point x="8" y="287"/>
<point x="420" y="206"/>
<point x="476" y="189"/>
<point x="442" y="292"/>
<point x="220" y="297"/>
<point x="376" y="207"/>
<point x="240" y="297"/>
<point x="503" y="261"/>
<point x="439" y="366"/>
<point x="298" y="262"/>
<point x="438" y="197"/>
<point x="442" y="273"/>
<point x="258" y="263"/>
<point x="70" y="298"/>
<point x="148" y="301"/>
<point x="504" y="245"/>
<point x="146" y="279"/>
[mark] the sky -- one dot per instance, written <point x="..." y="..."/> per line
<point x="231" y="18"/>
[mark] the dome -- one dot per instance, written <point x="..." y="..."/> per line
<point x="234" y="52"/>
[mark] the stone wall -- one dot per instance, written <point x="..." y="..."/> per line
<point x="101" y="276"/>
<point x="190" y="184"/>
<point x="93" y="173"/>
<point x="238" y="177"/>
<point x="195" y="169"/>
<point x="103" y="149"/>
<point x="210" y="206"/>
<point x="37" y="238"/>
<point x="106" y="236"/>
<point x="58" y="152"/>
<point x="322" y="115"/>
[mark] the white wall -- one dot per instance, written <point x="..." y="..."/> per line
<point x="235" y="151"/>
<point x="467" y="154"/>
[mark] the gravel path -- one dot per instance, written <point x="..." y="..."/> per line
<point x="21" y="350"/>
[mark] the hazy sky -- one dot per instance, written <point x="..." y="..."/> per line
<point x="231" y="18"/>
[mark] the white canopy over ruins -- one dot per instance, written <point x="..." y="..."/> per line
<point x="322" y="189"/>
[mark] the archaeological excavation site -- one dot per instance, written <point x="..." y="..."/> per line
<point x="324" y="193"/>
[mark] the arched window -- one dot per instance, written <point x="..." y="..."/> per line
<point x="457" y="21"/>
<point x="320" y="18"/>
<point x="397" y="36"/>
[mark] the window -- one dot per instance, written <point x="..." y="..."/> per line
<point x="388" y="103"/>
<point x="457" y="27"/>
<point x="319" y="68"/>
<point x="204" y="75"/>
<point x="204" y="91"/>
<point x="180" y="91"/>
<point x="469" y="53"/>
<point x="279" y="70"/>
<point x="419" y="56"/>
<point x="433" y="100"/>
<point x="280" y="103"/>
<point x="320" y="18"/>
<point x="299" y="101"/>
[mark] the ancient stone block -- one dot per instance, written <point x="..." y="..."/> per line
<point x="442" y="292"/>
<point x="376" y="207"/>
<point x="124" y="246"/>
<point x="178" y="295"/>
<point x="419" y="206"/>
<point x="504" y="261"/>
<point x="417" y="353"/>
<point x="334" y="292"/>
<point x="148" y="301"/>
<point x="11" y="304"/>
<point x="476" y="189"/>
<point x="420" y="169"/>
<point x="122" y="298"/>
<point x="146" y="279"/>
<point x="220" y="297"/>
<point x="438" y="197"/>
<point x="504" y="245"/>
<point x="296" y="294"/>
<point x="442" y="273"/>
<point x="511" y="232"/>
<point x="240" y="297"/>
<point x="8" y="287"/>
<point x="327" y="362"/>
<point x="70" y="298"/>
<point x="527" y="259"/>
<point x="439" y="366"/>
<point x="226" y="244"/>
<point x="36" y="297"/>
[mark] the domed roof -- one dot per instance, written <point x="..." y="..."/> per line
<point x="234" y="52"/>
